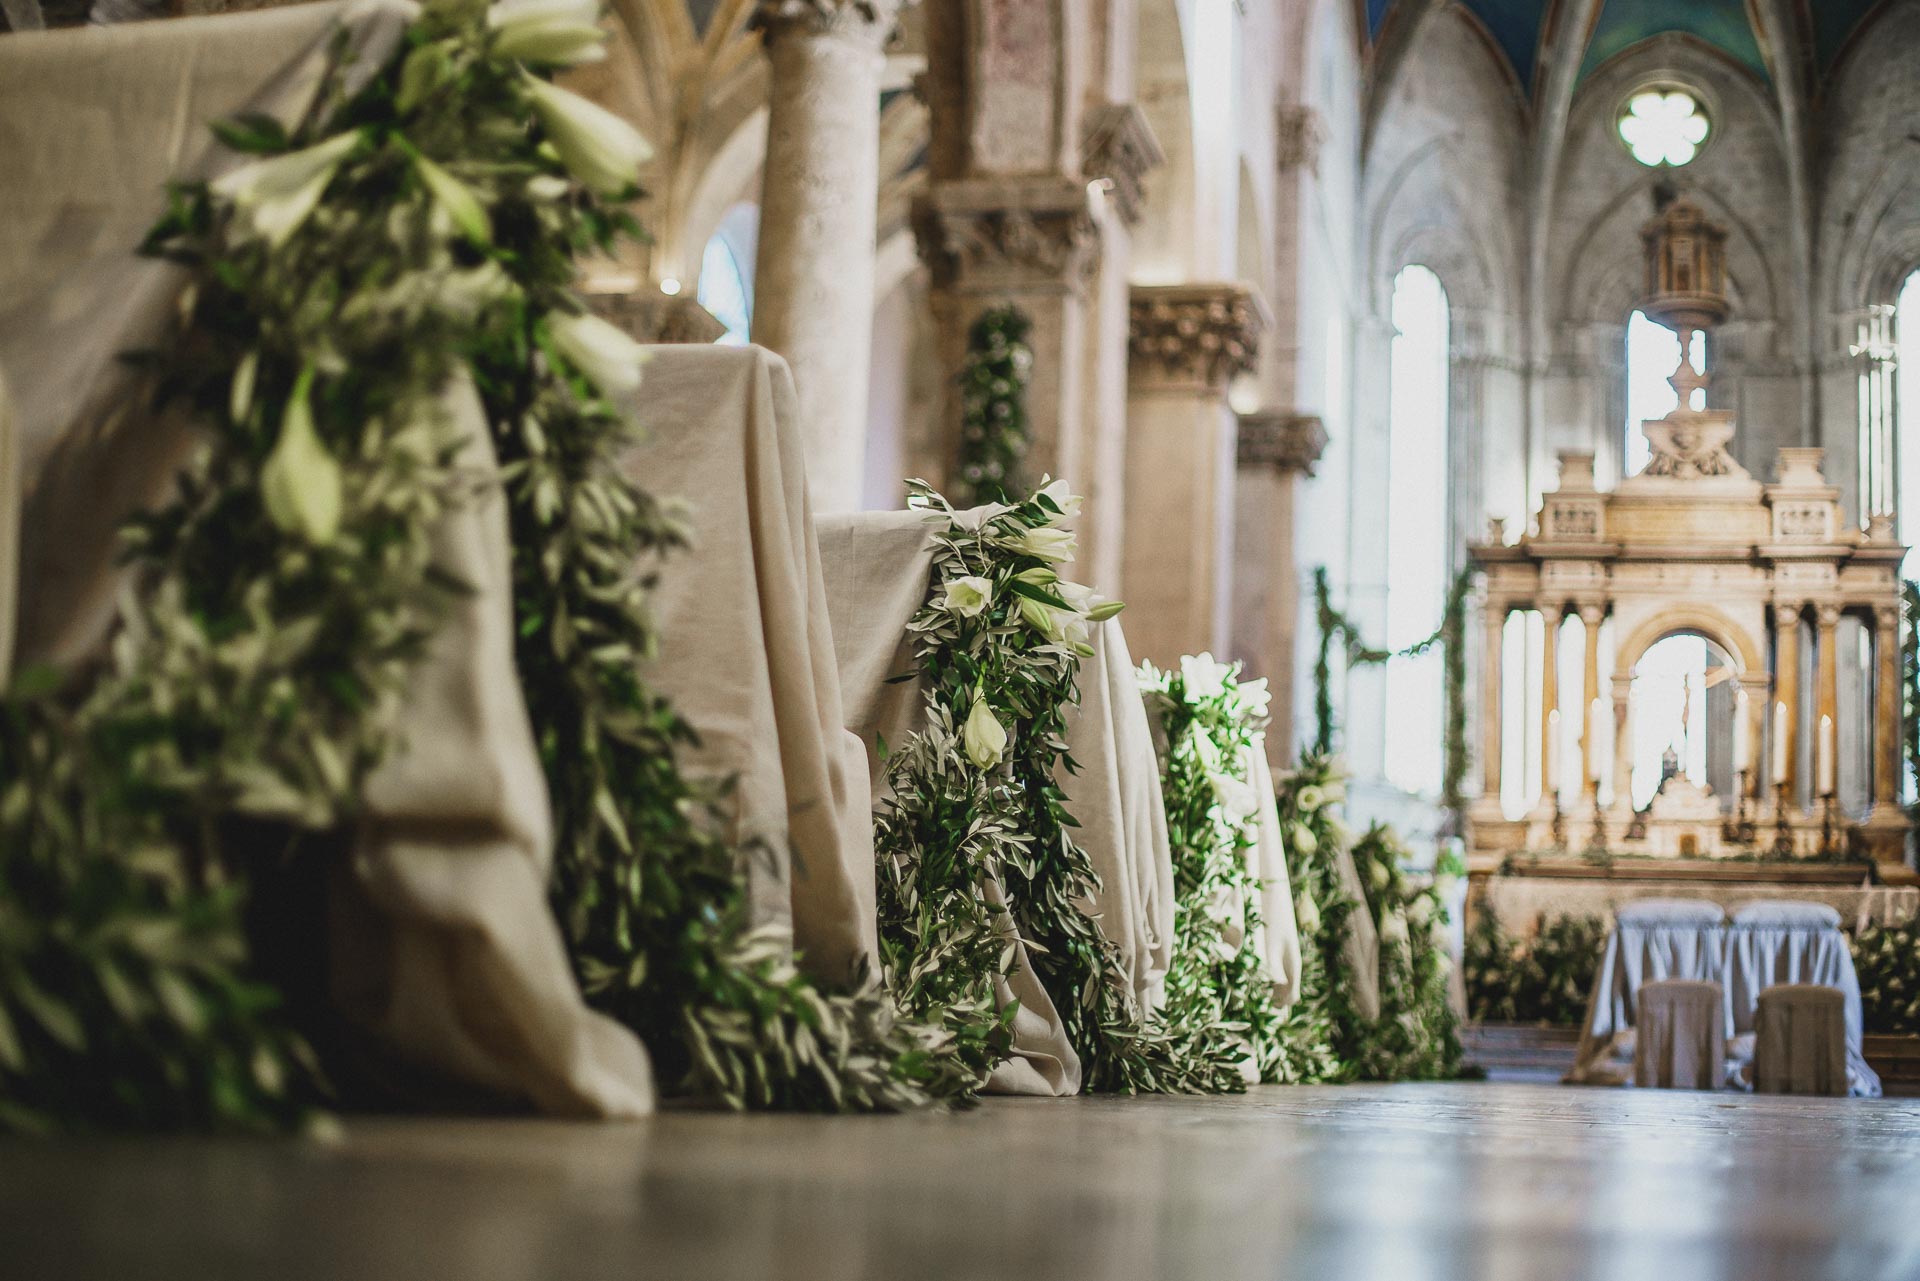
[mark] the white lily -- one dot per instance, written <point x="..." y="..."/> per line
<point x="552" y="33"/>
<point x="300" y="483"/>
<point x="967" y="596"/>
<point x="610" y="360"/>
<point x="985" y="738"/>
<point x="1380" y="874"/>
<point x="1204" y="678"/>
<point x="1310" y="798"/>
<point x="1420" y="910"/>
<point x="1306" y="914"/>
<point x="1304" y="840"/>
<point x="1064" y="498"/>
<point x="1046" y="543"/>
<point x="277" y="195"/>
<point x="457" y="198"/>
<point x="602" y="150"/>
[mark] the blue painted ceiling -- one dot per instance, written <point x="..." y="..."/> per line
<point x="1514" y="27"/>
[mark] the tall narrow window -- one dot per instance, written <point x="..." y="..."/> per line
<point x="1417" y="537"/>
<point x="1906" y="452"/>
<point x="1876" y="360"/>
<point x="1653" y="353"/>
<point x="726" y="267"/>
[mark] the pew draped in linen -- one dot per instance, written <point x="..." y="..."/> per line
<point x="442" y="945"/>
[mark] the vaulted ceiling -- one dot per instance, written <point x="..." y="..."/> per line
<point x="1520" y="29"/>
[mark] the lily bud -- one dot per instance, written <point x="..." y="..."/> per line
<point x="300" y="483"/>
<point x="983" y="736"/>
<point x="599" y="148"/>
<point x="610" y="360"/>
<point x="457" y="199"/>
<point x="277" y="195"/>
<point x="551" y="33"/>
<point x="1046" y="543"/>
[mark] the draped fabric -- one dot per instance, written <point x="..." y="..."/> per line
<point x="442" y="946"/>
<point x="1278" y="940"/>
<point x="1679" y="1043"/>
<point x="1800" y="1041"/>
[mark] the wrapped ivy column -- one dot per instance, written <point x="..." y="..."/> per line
<point x="814" y="272"/>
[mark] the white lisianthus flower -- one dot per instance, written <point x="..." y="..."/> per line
<point x="1310" y="798"/>
<point x="599" y="148"/>
<point x="1256" y="698"/>
<point x="457" y="198"/>
<point x="1064" y="498"/>
<point x="277" y="195"/>
<point x="1204" y="678"/>
<point x="1236" y="798"/>
<point x="968" y="596"/>
<point x="300" y="483"/>
<point x="1306" y="914"/>
<point x="1393" y="930"/>
<point x="610" y="360"/>
<point x="551" y="33"/>
<point x="1045" y="543"/>
<point x="1304" y="840"/>
<point x="1420" y="910"/>
<point x="983" y="736"/>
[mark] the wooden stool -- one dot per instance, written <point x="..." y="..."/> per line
<point x="1680" y="1036"/>
<point x="1800" y="1040"/>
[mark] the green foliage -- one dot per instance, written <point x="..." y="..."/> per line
<point x="1417" y="1035"/>
<point x="1887" y="958"/>
<point x="1910" y="687"/>
<point x="993" y="407"/>
<point x="1336" y="628"/>
<point x="1311" y="1034"/>
<point x="1208" y="721"/>
<point x="976" y="799"/>
<point x="1543" y="979"/>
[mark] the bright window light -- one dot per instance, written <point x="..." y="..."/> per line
<point x="1663" y="127"/>
<point x="1653" y="353"/>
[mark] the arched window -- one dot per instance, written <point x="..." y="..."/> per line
<point x="1653" y="353"/>
<point x="1906" y="331"/>
<point x="726" y="272"/>
<point x="1417" y="530"/>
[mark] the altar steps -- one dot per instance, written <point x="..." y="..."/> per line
<point x="1897" y="1060"/>
<point x="1520" y="1051"/>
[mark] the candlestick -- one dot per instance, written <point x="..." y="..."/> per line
<point x="1824" y="765"/>
<point x="1740" y="760"/>
<point x="1782" y="749"/>
<point x="1595" y="714"/>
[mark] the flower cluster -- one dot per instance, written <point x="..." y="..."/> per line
<point x="1543" y="978"/>
<point x="1887" y="958"/>
<point x="1417" y="1034"/>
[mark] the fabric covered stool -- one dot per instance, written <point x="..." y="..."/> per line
<point x="1800" y="1040"/>
<point x="1681" y="1039"/>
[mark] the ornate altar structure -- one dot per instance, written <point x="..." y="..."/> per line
<point x="1694" y="545"/>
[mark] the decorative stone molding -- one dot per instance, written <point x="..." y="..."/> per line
<point x="1195" y="336"/>
<point x="1286" y="442"/>
<point x="1007" y="234"/>
<point x="1299" y="134"/>
<point x="1118" y="145"/>
<point x="863" y="19"/>
<point x="651" y="316"/>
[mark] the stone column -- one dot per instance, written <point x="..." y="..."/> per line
<point x="1591" y="616"/>
<point x="1186" y="343"/>
<point x="813" y="278"/>
<point x="1549" y="699"/>
<point x="1495" y="616"/>
<point x="1828" y="689"/>
<point x="1275" y="451"/>
<point x="1786" y="689"/>
<point x="1886" y="707"/>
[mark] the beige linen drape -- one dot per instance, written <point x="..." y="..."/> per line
<point x="747" y="654"/>
<point x="443" y="943"/>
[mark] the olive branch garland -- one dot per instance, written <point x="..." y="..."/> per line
<point x="993" y="406"/>
<point x="1323" y="1013"/>
<point x="976" y="798"/>
<point x="1417" y="1035"/>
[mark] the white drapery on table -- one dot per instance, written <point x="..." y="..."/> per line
<point x="1679" y="939"/>
<point x="443" y="944"/>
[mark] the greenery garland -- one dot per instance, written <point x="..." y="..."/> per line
<point x="1910" y="688"/>
<point x="976" y="798"/>
<point x="1417" y="1035"/>
<point x="993" y="407"/>
<point x="1322" y="910"/>
<point x="1887" y="958"/>
<point x="1543" y="979"/>
<point x="1337" y="628"/>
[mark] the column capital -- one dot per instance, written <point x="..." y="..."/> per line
<point x="1886" y="616"/>
<point x="1593" y="613"/>
<point x="859" y="19"/>
<point x="1007" y="234"/>
<point x="1829" y="616"/>
<point x="1195" y="337"/>
<point x="1786" y="612"/>
<point x="1118" y="145"/>
<point x="1286" y="442"/>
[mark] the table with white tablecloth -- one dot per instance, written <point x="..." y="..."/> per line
<point x="1659" y="939"/>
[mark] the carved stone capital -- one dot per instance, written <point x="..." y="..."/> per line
<point x="1828" y="617"/>
<point x="1887" y="618"/>
<point x="870" y="20"/>
<point x="1193" y="336"/>
<point x="1592" y="614"/>
<point x="1286" y="442"/>
<point x="1119" y="146"/>
<point x="1007" y="234"/>
<point x="1299" y="133"/>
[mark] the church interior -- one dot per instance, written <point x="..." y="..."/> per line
<point x="955" y="638"/>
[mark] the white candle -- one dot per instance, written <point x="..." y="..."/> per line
<point x="1824" y="767"/>
<point x="1782" y="750"/>
<point x="1740" y="759"/>
<point x="1553" y="751"/>
<point x="1595" y="715"/>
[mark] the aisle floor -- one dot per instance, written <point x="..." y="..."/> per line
<point x="1490" y="1182"/>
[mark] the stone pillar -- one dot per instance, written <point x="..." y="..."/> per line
<point x="1549" y="699"/>
<point x="1495" y="616"/>
<point x="1786" y="689"/>
<point x="1186" y="343"/>
<point x="1886" y="707"/>
<point x="1828" y="689"/>
<point x="1591" y="616"/>
<point x="1275" y="451"/>
<point x="813" y="278"/>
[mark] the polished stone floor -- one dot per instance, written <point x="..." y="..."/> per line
<point x="1488" y="1182"/>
